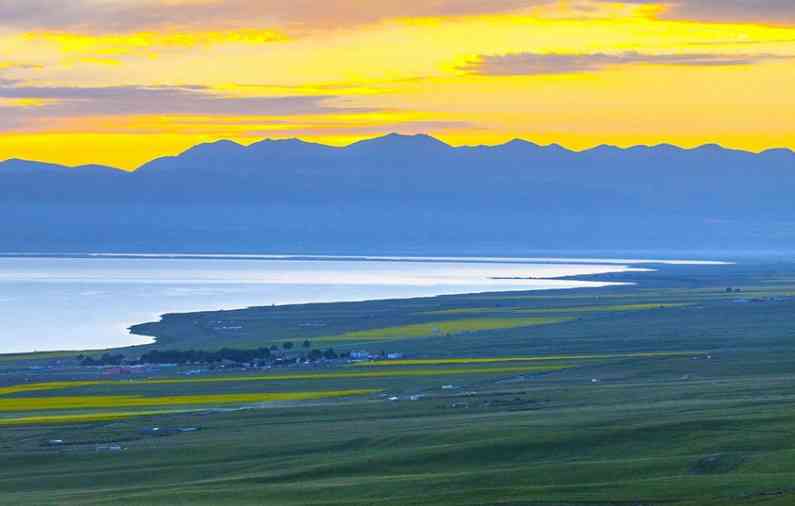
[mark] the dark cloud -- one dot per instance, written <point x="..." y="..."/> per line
<point x="520" y="64"/>
<point x="9" y="123"/>
<point x="102" y="16"/>
<point x="731" y="11"/>
<point x="130" y="100"/>
<point x="743" y="11"/>
<point x="7" y="70"/>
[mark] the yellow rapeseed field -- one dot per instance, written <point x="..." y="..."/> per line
<point x="344" y="374"/>
<point x="82" y="418"/>
<point x="134" y="401"/>
<point x="447" y="327"/>
<point x="53" y="385"/>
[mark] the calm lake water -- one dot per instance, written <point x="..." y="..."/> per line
<point x="89" y="302"/>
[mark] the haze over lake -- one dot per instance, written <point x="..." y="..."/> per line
<point x="57" y="303"/>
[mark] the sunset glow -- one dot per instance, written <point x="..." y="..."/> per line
<point x="121" y="82"/>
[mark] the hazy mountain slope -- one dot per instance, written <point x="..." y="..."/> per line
<point x="406" y="193"/>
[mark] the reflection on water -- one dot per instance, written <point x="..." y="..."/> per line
<point x="85" y="303"/>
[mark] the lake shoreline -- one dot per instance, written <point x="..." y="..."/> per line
<point x="161" y="317"/>
<point x="609" y="273"/>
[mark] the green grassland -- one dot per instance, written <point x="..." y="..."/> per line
<point x="568" y="310"/>
<point x="673" y="391"/>
<point x="10" y="358"/>
<point x="496" y="360"/>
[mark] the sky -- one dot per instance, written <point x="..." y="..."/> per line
<point x="120" y="82"/>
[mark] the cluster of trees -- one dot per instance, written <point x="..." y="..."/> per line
<point x="239" y="356"/>
<point x="105" y="359"/>
<point x="205" y="357"/>
<point x="316" y="355"/>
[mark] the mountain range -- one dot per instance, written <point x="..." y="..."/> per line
<point x="406" y="194"/>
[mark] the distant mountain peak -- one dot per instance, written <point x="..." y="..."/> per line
<point x="18" y="162"/>
<point x="31" y="165"/>
<point x="605" y="148"/>
<point x="222" y="146"/>
<point x="401" y="141"/>
<point x="666" y="146"/>
<point x="517" y="142"/>
<point x="415" y="137"/>
<point x="289" y="141"/>
<point x="778" y="151"/>
<point x="711" y="147"/>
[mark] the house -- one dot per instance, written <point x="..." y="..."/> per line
<point x="115" y="371"/>
<point x="110" y="448"/>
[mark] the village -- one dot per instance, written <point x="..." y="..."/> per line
<point x="200" y="362"/>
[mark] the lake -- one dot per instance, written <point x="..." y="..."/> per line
<point x="89" y="301"/>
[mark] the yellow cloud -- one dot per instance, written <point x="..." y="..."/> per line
<point x="409" y="74"/>
<point x="25" y="102"/>
<point x="129" y="141"/>
<point x="93" y="47"/>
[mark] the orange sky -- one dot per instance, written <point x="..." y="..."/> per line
<point x="123" y="81"/>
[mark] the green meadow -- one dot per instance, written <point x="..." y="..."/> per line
<point x="672" y="391"/>
<point x="567" y="310"/>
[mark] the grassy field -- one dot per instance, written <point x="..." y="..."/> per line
<point x="496" y="360"/>
<point x="566" y="309"/>
<point x="675" y="391"/>
<point x="290" y="384"/>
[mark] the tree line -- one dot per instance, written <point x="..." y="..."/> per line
<point x="236" y="355"/>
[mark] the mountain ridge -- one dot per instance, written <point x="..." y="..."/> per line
<point x="406" y="194"/>
<point x="401" y="139"/>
